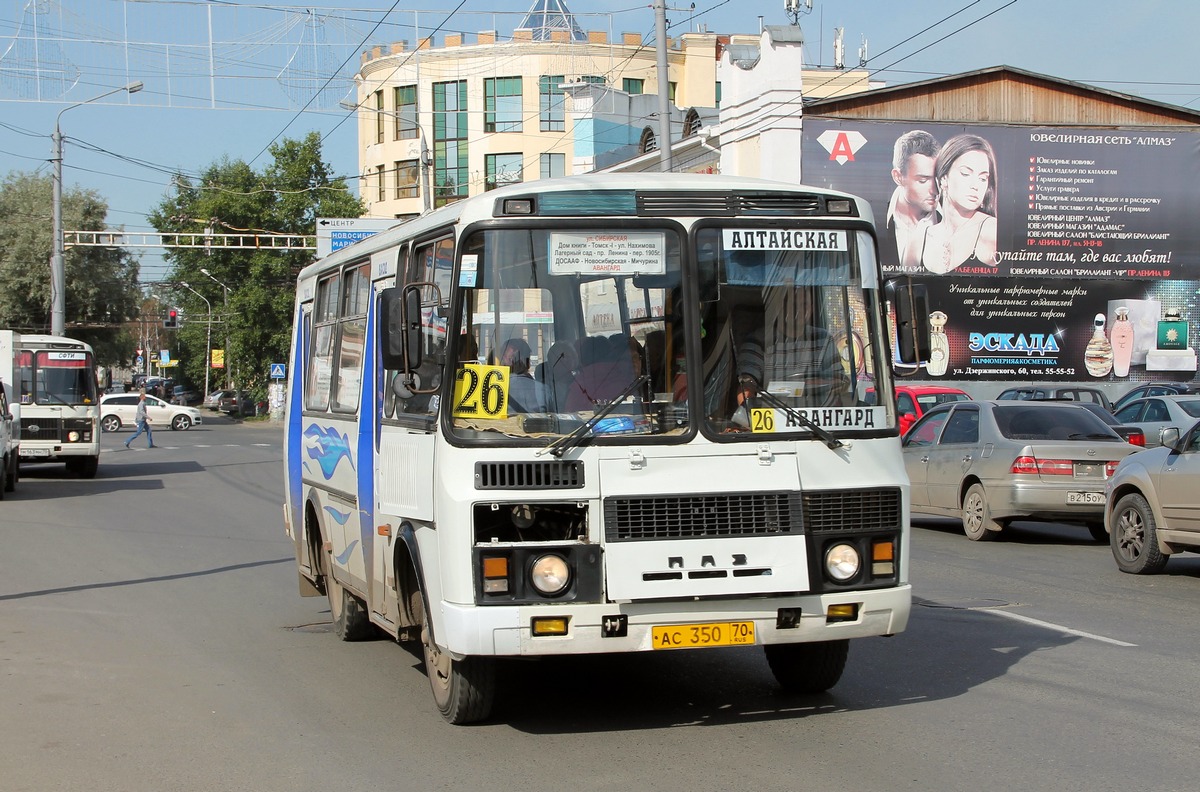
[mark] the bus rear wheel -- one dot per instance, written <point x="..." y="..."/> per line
<point x="463" y="690"/>
<point x="350" y="620"/>
<point x="808" y="667"/>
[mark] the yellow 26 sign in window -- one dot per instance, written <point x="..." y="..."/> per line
<point x="481" y="392"/>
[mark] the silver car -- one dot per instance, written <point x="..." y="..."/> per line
<point x="1153" y="507"/>
<point x="1155" y="414"/>
<point x="989" y="462"/>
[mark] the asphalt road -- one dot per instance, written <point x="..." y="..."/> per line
<point x="152" y="638"/>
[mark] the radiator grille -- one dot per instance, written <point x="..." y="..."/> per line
<point x="41" y="429"/>
<point x="832" y="511"/>
<point x="552" y="474"/>
<point x="702" y="516"/>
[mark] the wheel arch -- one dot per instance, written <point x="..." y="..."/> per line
<point x="410" y="578"/>
<point x="966" y="484"/>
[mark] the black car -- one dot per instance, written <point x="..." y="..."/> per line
<point x="1132" y="434"/>
<point x="184" y="395"/>
<point x="237" y="403"/>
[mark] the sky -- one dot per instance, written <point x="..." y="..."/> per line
<point x="263" y="81"/>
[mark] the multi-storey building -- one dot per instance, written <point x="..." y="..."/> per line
<point x="438" y="123"/>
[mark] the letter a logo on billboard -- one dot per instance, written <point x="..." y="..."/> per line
<point x="841" y="146"/>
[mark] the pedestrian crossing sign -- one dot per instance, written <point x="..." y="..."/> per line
<point x="278" y="371"/>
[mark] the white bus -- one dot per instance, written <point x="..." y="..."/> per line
<point x="492" y="445"/>
<point x="60" y="403"/>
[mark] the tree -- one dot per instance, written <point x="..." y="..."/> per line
<point x="102" y="290"/>
<point x="286" y="197"/>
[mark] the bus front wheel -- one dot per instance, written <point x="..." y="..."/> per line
<point x="463" y="690"/>
<point x="84" y="467"/>
<point x="808" y="667"/>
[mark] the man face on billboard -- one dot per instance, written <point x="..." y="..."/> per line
<point x="915" y="185"/>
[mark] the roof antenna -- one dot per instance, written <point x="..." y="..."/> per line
<point x="839" y="48"/>
<point x="862" y="54"/>
<point x="793" y="9"/>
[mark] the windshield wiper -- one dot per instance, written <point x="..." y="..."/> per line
<point x="567" y="442"/>
<point x="800" y="418"/>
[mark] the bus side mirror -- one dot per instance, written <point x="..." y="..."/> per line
<point x="400" y="328"/>
<point x="911" y="301"/>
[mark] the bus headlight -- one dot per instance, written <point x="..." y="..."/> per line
<point x="73" y="437"/>
<point x="842" y="562"/>
<point x="550" y="574"/>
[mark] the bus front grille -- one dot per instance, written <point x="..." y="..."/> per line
<point x="41" y="429"/>
<point x="553" y="474"/>
<point x="752" y="514"/>
<point x="833" y="511"/>
<point x="702" y="516"/>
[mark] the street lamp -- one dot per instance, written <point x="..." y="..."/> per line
<point x="426" y="161"/>
<point x="208" y="343"/>
<point x="225" y="290"/>
<point x="58" y="272"/>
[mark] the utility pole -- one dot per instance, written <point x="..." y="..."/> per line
<point x="664" y="85"/>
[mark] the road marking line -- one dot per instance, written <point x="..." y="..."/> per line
<point x="1052" y="626"/>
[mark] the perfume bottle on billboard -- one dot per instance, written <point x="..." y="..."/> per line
<point x="1122" y="342"/>
<point x="1098" y="357"/>
<point x="939" y="345"/>
<point x="1172" y="331"/>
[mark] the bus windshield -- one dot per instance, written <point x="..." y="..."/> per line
<point x="558" y="325"/>
<point x="64" y="377"/>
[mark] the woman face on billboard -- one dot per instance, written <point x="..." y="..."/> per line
<point x="967" y="182"/>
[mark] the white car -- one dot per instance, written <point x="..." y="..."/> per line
<point x="118" y="409"/>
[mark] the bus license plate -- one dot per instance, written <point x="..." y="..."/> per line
<point x="35" y="452"/>
<point x="688" y="636"/>
<point x="1085" y="497"/>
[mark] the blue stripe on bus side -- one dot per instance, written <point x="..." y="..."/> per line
<point x="295" y="424"/>
<point x="368" y="420"/>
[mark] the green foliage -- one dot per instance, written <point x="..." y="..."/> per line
<point x="286" y="197"/>
<point x="102" y="289"/>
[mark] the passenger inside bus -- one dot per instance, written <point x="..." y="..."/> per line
<point x="606" y="369"/>
<point x="525" y="394"/>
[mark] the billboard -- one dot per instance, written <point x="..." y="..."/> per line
<point x="1046" y="252"/>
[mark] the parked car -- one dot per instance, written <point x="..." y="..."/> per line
<point x="1024" y="394"/>
<point x="1155" y="414"/>
<point x="1071" y="394"/>
<point x="184" y="395"/>
<point x="1085" y="396"/>
<point x="10" y="446"/>
<point x="236" y="403"/>
<point x="117" y="410"/>
<point x="1152" y="509"/>
<point x="1150" y="389"/>
<point x="913" y="401"/>
<point x="989" y="462"/>
<point x="213" y="400"/>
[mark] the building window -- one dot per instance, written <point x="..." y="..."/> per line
<point x="718" y="94"/>
<point x="649" y="141"/>
<point x="503" y="169"/>
<point x="550" y="103"/>
<point x="691" y="122"/>
<point x="633" y="86"/>
<point x="592" y="79"/>
<point x="502" y="104"/>
<point x="671" y="90"/>
<point x="405" y="97"/>
<point x="449" y="142"/>
<point x="379" y="171"/>
<point x="553" y="165"/>
<point x="406" y="179"/>
<point x="379" y="116"/>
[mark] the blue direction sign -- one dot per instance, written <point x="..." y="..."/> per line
<point x="278" y="371"/>
<point x="341" y="239"/>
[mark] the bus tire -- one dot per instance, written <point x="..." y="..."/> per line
<point x="12" y="475"/>
<point x="350" y="620"/>
<point x="84" y="467"/>
<point x="8" y="474"/>
<point x="808" y="667"/>
<point x="463" y="690"/>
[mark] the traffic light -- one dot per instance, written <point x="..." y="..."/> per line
<point x="171" y="320"/>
